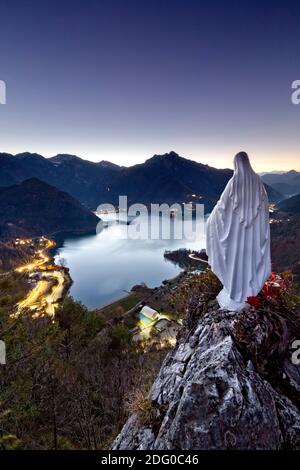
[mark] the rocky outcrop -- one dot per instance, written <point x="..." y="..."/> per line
<point x="210" y="395"/>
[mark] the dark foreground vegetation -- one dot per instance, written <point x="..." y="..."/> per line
<point x="285" y="243"/>
<point x="66" y="383"/>
<point x="70" y="383"/>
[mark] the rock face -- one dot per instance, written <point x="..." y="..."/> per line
<point x="209" y="395"/>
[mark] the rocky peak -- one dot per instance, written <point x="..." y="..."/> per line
<point x="64" y="157"/>
<point x="166" y="158"/>
<point x="28" y="156"/>
<point x="109" y="165"/>
<point x="211" y="392"/>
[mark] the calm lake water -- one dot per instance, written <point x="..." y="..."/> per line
<point x="104" y="266"/>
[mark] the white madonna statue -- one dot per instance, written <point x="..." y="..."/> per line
<point x="238" y="237"/>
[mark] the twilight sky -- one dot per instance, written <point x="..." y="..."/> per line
<point x="122" y="80"/>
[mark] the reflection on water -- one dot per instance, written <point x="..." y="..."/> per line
<point x="105" y="266"/>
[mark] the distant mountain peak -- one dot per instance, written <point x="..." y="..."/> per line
<point x="24" y="155"/>
<point x="169" y="157"/>
<point x="107" y="164"/>
<point x="170" y="154"/>
<point x="64" y="157"/>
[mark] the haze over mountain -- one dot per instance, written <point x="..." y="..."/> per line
<point x="290" y="205"/>
<point x="34" y="208"/>
<point x="287" y="183"/>
<point x="163" y="178"/>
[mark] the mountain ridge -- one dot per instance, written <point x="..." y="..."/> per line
<point x="166" y="178"/>
<point x="287" y="183"/>
<point x="290" y="205"/>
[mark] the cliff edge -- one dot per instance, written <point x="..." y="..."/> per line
<point x="229" y="383"/>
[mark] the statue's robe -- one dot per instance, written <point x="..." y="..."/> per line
<point x="238" y="237"/>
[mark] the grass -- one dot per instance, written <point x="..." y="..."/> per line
<point x="121" y="306"/>
<point x="141" y="405"/>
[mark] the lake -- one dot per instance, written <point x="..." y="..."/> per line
<point x="105" y="266"/>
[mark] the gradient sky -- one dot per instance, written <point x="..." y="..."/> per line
<point x="122" y="80"/>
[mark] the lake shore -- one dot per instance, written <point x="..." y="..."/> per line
<point x="105" y="266"/>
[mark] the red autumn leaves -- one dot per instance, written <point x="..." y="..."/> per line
<point x="273" y="289"/>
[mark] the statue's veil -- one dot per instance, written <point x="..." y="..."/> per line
<point x="238" y="236"/>
<point x="247" y="191"/>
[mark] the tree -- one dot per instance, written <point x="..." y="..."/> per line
<point x="62" y="262"/>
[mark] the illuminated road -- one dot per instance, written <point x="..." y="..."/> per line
<point x="195" y="258"/>
<point x="33" y="266"/>
<point x="55" y="293"/>
<point x="36" y="263"/>
<point x="35" y="296"/>
<point x="43" y="298"/>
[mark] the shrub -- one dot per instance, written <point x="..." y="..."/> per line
<point x="141" y="405"/>
<point x="120" y="336"/>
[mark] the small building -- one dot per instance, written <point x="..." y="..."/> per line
<point x="150" y="313"/>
